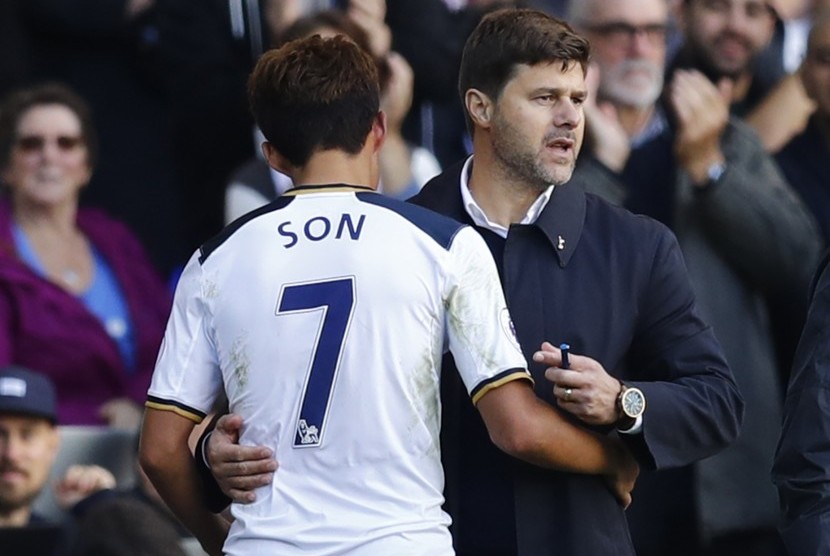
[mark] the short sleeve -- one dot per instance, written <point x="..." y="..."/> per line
<point x="187" y="378"/>
<point x="480" y="331"/>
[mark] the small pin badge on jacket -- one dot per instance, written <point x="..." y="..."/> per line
<point x="561" y="244"/>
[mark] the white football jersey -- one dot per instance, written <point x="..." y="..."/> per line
<point x="324" y="316"/>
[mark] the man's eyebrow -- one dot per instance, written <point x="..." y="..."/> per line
<point x="559" y="91"/>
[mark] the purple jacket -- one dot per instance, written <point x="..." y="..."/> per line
<point x="47" y="329"/>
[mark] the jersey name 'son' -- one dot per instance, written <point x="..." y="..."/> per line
<point x="320" y="227"/>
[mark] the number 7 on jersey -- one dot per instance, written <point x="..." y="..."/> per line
<point x="335" y="300"/>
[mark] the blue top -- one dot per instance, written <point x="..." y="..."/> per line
<point x="103" y="298"/>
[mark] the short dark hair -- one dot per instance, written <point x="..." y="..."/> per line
<point x="315" y="94"/>
<point x="20" y="101"/>
<point x="505" y="38"/>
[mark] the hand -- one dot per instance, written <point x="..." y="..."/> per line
<point x="122" y="413"/>
<point x="609" y="139"/>
<point x="702" y="111"/>
<point x="585" y="390"/>
<point x="80" y="481"/>
<point x="397" y="98"/>
<point x="238" y="470"/>
<point x="623" y="480"/>
<point x="369" y="15"/>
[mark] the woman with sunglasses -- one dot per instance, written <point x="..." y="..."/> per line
<point x="79" y="299"/>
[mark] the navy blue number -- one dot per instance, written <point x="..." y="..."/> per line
<point x="336" y="298"/>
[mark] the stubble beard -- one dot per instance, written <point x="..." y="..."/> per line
<point x="520" y="162"/>
<point x="10" y="503"/>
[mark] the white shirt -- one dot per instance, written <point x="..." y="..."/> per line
<point x="324" y="316"/>
<point x="481" y="219"/>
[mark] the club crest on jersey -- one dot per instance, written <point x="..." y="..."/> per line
<point x="508" y="327"/>
<point x="308" y="435"/>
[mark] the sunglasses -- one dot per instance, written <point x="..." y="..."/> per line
<point x="33" y="143"/>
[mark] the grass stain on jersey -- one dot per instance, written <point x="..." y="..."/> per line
<point x="464" y="305"/>
<point x="424" y="388"/>
<point x="239" y="362"/>
<point x="209" y="289"/>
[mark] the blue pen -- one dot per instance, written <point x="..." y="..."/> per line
<point x="566" y="364"/>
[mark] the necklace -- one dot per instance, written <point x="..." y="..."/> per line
<point x="70" y="277"/>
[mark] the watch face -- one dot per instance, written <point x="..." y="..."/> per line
<point x="633" y="402"/>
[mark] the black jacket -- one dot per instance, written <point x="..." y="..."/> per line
<point x="802" y="462"/>
<point x="613" y="285"/>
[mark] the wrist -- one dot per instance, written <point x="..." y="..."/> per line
<point x="706" y="171"/>
<point x="630" y="406"/>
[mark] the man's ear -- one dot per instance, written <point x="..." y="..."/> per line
<point x="479" y="107"/>
<point x="379" y="130"/>
<point x="276" y="160"/>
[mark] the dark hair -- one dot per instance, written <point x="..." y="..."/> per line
<point x="314" y="94"/>
<point x="340" y="22"/>
<point x="126" y="526"/>
<point x="19" y="102"/>
<point x="506" y="38"/>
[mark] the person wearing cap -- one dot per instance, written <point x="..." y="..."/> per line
<point x="29" y="442"/>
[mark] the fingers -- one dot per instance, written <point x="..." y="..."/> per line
<point x="229" y="425"/>
<point x="242" y="489"/>
<point x="80" y="481"/>
<point x="549" y="355"/>
<point x="239" y="480"/>
<point x="239" y="470"/>
<point x="220" y="452"/>
<point x="567" y="394"/>
<point x="252" y="460"/>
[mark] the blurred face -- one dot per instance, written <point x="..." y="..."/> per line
<point x="538" y="124"/>
<point x="28" y="447"/>
<point x="727" y="35"/>
<point x="628" y="41"/>
<point x="816" y="69"/>
<point x="49" y="162"/>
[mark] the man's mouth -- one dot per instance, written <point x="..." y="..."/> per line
<point x="561" y="145"/>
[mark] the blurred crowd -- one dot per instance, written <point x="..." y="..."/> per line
<point x="126" y="142"/>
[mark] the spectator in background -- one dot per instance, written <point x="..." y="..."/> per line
<point x="29" y="442"/>
<point x="404" y="167"/>
<point x="79" y="299"/>
<point x="722" y="39"/>
<point x="744" y="234"/>
<point x="806" y="159"/>
<point x="784" y="111"/>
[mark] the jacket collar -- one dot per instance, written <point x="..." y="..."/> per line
<point x="561" y="221"/>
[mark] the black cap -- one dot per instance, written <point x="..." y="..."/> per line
<point x="26" y="392"/>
